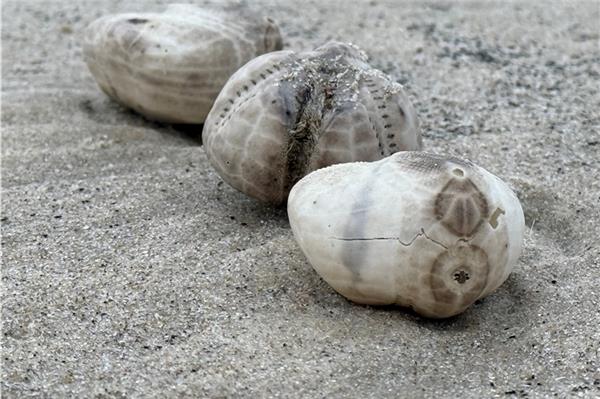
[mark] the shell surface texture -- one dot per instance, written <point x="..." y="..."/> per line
<point x="414" y="229"/>
<point x="285" y="114"/>
<point x="171" y="66"/>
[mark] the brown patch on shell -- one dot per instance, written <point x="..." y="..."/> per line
<point x="458" y="276"/>
<point x="461" y="207"/>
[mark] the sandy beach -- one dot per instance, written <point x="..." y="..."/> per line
<point x="130" y="270"/>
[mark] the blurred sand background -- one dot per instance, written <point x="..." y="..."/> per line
<point x="130" y="270"/>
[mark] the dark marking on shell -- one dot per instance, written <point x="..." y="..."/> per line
<point x="137" y="21"/>
<point x="303" y="118"/>
<point x="458" y="276"/>
<point x="461" y="207"/>
<point x="461" y="276"/>
<point x="495" y="216"/>
<point x="401" y="111"/>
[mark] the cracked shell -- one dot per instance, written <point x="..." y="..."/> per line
<point x="285" y="114"/>
<point x="414" y="229"/>
<point x="171" y="66"/>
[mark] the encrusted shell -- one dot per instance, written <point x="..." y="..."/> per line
<point x="171" y="66"/>
<point x="284" y="115"/>
<point x="414" y="229"/>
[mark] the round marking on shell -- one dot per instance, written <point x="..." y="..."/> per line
<point x="458" y="275"/>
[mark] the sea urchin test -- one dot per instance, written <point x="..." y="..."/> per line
<point x="171" y="66"/>
<point x="414" y="229"/>
<point x="285" y="114"/>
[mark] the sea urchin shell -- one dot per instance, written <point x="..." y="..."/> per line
<point x="284" y="115"/>
<point x="171" y="66"/>
<point x="414" y="229"/>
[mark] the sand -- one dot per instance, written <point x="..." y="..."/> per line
<point x="130" y="270"/>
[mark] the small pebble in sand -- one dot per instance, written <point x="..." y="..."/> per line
<point x="171" y="66"/>
<point x="285" y="114"/>
<point x="414" y="229"/>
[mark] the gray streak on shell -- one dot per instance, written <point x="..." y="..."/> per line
<point x="355" y="253"/>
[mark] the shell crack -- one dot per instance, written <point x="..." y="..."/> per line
<point x="406" y="244"/>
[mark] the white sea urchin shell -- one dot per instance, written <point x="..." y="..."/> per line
<point x="413" y="229"/>
<point x="171" y="66"/>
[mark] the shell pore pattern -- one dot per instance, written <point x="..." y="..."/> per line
<point x="461" y="206"/>
<point x="171" y="66"/>
<point x="284" y="115"/>
<point x="414" y="229"/>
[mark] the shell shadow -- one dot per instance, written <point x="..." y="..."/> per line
<point x="256" y="211"/>
<point x="191" y="131"/>
<point x="104" y="111"/>
<point x="549" y="213"/>
<point x="511" y="305"/>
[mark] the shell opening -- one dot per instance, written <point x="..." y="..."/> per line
<point x="494" y="217"/>
<point x="461" y="276"/>
<point x="458" y="172"/>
